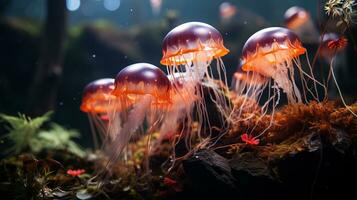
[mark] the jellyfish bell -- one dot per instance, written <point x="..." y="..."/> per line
<point x="156" y="6"/>
<point x="96" y="103"/>
<point x="142" y="79"/>
<point x="331" y="44"/>
<point x="296" y="17"/>
<point x="227" y="11"/>
<point x="299" y="20"/>
<point x="193" y="43"/>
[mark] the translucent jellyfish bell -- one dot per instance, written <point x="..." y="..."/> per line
<point x="138" y="80"/>
<point x="296" y="17"/>
<point x="227" y="11"/>
<point x="332" y="43"/>
<point x="96" y="103"/>
<point x="299" y="20"/>
<point x="191" y="42"/>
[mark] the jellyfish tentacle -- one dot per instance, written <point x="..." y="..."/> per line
<point x="135" y="118"/>
<point x="339" y="90"/>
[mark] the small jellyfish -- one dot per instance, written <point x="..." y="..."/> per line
<point x="227" y="11"/>
<point x="299" y="21"/>
<point x="189" y="49"/>
<point x="272" y="52"/>
<point x="248" y="83"/>
<point x="331" y="45"/>
<point x="248" y="89"/>
<point x="95" y="103"/>
<point x="156" y="6"/>
<point x="177" y="121"/>
<point x="143" y="92"/>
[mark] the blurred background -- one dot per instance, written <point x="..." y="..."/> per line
<point x="50" y="49"/>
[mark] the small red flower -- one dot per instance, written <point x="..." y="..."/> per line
<point x="248" y="139"/>
<point x="337" y="44"/>
<point x="172" y="184"/>
<point x="75" y="172"/>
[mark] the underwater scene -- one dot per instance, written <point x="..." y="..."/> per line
<point x="178" y="99"/>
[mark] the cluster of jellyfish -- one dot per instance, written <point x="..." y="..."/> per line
<point x="143" y="99"/>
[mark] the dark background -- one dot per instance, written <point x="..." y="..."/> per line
<point x="98" y="43"/>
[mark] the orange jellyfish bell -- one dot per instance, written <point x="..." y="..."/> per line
<point x="137" y="80"/>
<point x="191" y="41"/>
<point x="268" y="46"/>
<point x="96" y="96"/>
<point x="295" y="17"/>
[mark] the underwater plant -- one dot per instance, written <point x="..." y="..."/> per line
<point x="25" y="134"/>
<point x="23" y="131"/>
<point x="96" y="103"/>
<point x="342" y="10"/>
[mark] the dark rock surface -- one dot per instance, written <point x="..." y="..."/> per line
<point x="210" y="173"/>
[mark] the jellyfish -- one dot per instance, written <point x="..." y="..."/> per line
<point x="299" y="21"/>
<point x="248" y="89"/>
<point x="143" y="94"/>
<point x="331" y="45"/>
<point x="156" y="6"/>
<point x="273" y="52"/>
<point x="178" y="122"/>
<point x="95" y="103"/>
<point x="227" y="11"/>
<point x="189" y="49"/>
<point x="248" y="83"/>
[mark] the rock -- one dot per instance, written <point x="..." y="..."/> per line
<point x="210" y="173"/>
<point x="254" y="174"/>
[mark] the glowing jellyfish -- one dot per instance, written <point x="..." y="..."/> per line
<point x="95" y="103"/>
<point x="299" y="20"/>
<point x="178" y="120"/>
<point x="227" y="11"/>
<point x="331" y="44"/>
<point x="189" y="49"/>
<point x="248" y="89"/>
<point x="156" y="6"/>
<point x="272" y="52"/>
<point x="248" y="83"/>
<point x="143" y="93"/>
